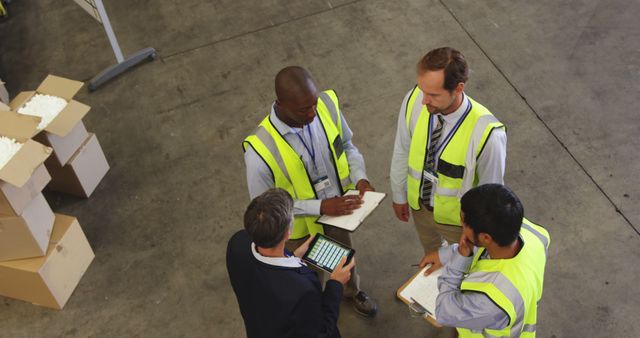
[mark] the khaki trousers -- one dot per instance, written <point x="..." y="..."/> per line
<point x="342" y="236"/>
<point x="431" y="233"/>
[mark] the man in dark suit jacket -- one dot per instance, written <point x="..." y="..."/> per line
<point x="279" y="296"/>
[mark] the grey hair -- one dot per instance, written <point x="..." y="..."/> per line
<point x="268" y="217"/>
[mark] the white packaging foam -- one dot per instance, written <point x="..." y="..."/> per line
<point x="8" y="148"/>
<point x="45" y="106"/>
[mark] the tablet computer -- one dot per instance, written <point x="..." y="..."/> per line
<point x="325" y="253"/>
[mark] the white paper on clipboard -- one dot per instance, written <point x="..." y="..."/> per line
<point x="423" y="290"/>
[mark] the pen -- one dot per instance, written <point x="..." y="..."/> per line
<point x="415" y="264"/>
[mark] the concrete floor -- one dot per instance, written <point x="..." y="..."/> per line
<point x="561" y="75"/>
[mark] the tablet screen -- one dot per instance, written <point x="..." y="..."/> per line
<point x="326" y="253"/>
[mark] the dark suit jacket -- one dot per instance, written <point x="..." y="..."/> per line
<point x="278" y="301"/>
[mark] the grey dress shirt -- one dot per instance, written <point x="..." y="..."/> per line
<point x="490" y="166"/>
<point x="470" y="310"/>
<point x="260" y="179"/>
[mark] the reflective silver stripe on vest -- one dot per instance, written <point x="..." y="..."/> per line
<point x="333" y="110"/>
<point x="505" y="286"/>
<point x="540" y="236"/>
<point x="415" y="112"/>
<point x="335" y="117"/>
<point x="474" y="144"/>
<point x="263" y="135"/>
<point x="529" y="328"/>
<point x="415" y="174"/>
<point x="446" y="191"/>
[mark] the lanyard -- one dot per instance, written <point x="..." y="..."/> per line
<point x="452" y="131"/>
<point x="311" y="152"/>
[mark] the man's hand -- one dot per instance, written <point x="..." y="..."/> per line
<point x="342" y="273"/>
<point x="465" y="247"/>
<point x="299" y="252"/>
<point x="402" y="211"/>
<point x="364" y="185"/>
<point x="338" y="206"/>
<point x="433" y="259"/>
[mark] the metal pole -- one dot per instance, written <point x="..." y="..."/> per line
<point x="107" y="28"/>
<point x="123" y="64"/>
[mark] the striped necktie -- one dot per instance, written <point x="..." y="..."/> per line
<point x="430" y="160"/>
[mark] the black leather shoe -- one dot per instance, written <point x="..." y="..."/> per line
<point x="364" y="305"/>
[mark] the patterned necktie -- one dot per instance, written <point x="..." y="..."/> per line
<point x="429" y="161"/>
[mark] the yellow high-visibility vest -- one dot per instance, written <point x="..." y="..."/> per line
<point x="514" y="285"/>
<point x="457" y="163"/>
<point x="287" y="168"/>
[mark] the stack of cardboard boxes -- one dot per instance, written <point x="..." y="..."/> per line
<point x="26" y="220"/>
<point x="44" y="255"/>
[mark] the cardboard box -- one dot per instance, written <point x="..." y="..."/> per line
<point x="64" y="147"/>
<point x="21" y="128"/>
<point x="18" y="126"/>
<point x="27" y="235"/>
<point x="14" y="200"/>
<point x="85" y="170"/>
<point x="72" y="113"/>
<point x="49" y="281"/>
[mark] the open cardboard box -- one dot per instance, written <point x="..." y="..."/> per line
<point x="50" y="280"/>
<point x="14" y="200"/>
<point x="30" y="156"/>
<point x="72" y="113"/>
<point x="26" y="235"/>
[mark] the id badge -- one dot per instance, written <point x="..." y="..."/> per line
<point x="321" y="183"/>
<point x="430" y="176"/>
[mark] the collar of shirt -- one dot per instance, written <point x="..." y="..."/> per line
<point x="287" y="262"/>
<point x="453" y="118"/>
<point x="282" y="127"/>
<point x="485" y="254"/>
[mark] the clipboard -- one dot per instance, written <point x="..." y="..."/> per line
<point x="352" y="222"/>
<point x="415" y="306"/>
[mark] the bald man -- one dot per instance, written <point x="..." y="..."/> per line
<point x="304" y="147"/>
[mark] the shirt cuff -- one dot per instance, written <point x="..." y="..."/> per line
<point x="459" y="262"/>
<point x="445" y="253"/>
<point x="400" y="197"/>
<point x="357" y="175"/>
<point x="306" y="207"/>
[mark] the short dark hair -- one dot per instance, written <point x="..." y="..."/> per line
<point x="293" y="82"/>
<point x="268" y="217"/>
<point x="495" y="210"/>
<point x="449" y="59"/>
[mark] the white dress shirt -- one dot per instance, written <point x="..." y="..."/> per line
<point x="491" y="163"/>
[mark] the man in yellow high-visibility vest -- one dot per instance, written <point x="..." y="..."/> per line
<point x="304" y="147"/>
<point x="493" y="278"/>
<point x="446" y="143"/>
